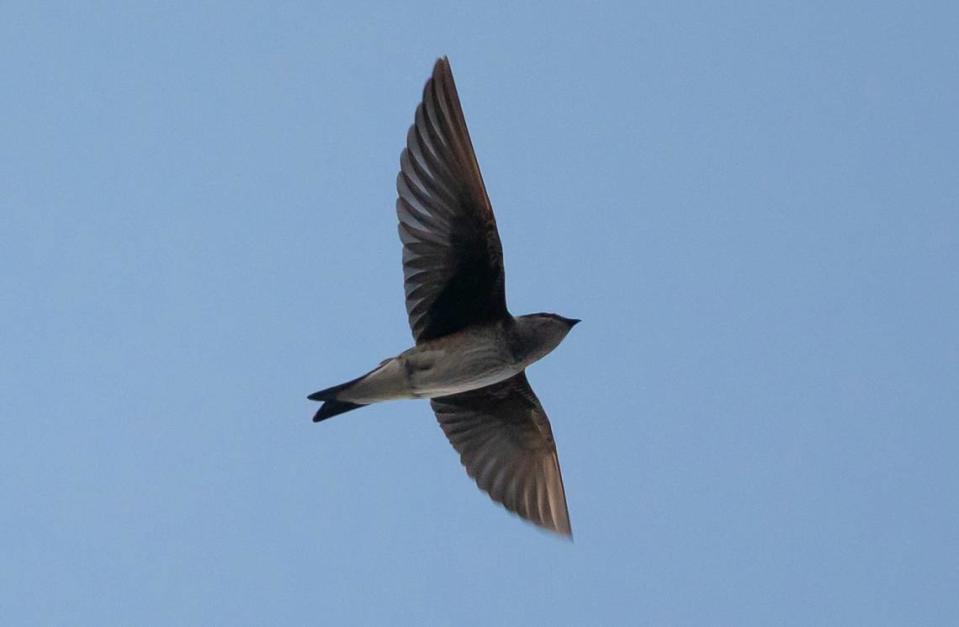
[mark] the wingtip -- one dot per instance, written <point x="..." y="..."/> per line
<point x="564" y="532"/>
<point x="552" y="529"/>
<point x="442" y="67"/>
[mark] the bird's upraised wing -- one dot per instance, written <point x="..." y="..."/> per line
<point x="452" y="256"/>
<point x="506" y="444"/>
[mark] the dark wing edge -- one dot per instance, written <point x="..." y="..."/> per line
<point x="452" y="255"/>
<point x="506" y="444"/>
<point x="456" y="123"/>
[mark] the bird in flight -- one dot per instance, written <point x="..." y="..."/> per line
<point x="471" y="354"/>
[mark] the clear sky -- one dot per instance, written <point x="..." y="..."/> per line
<point x="753" y="208"/>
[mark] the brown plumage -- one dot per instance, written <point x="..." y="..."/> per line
<point x="453" y="270"/>
<point x="467" y="342"/>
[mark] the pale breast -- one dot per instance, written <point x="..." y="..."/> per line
<point x="459" y="363"/>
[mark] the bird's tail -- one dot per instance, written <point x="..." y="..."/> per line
<point x="331" y="406"/>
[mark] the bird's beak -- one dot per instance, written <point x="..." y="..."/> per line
<point x="573" y="322"/>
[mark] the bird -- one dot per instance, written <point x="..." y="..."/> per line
<point x="470" y="354"/>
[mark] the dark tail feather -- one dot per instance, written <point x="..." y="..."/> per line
<point x="329" y="394"/>
<point x="333" y="407"/>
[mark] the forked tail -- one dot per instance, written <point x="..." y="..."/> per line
<point x="331" y="406"/>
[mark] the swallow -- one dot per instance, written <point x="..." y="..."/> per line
<point x="470" y="354"/>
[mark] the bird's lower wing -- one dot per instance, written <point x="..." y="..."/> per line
<point x="506" y="444"/>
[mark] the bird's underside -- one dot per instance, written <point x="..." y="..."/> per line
<point x="459" y="362"/>
<point x="454" y="284"/>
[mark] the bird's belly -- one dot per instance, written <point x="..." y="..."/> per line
<point x="434" y="373"/>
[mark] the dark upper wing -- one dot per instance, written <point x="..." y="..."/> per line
<point x="504" y="439"/>
<point x="452" y="256"/>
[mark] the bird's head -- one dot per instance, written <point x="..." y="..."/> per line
<point x="544" y="331"/>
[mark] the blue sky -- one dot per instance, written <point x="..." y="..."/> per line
<point x="753" y="208"/>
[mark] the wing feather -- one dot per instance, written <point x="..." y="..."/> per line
<point x="452" y="255"/>
<point x="506" y="444"/>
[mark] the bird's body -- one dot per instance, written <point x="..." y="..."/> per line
<point x="463" y="361"/>
<point x="473" y="358"/>
<point x="471" y="354"/>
